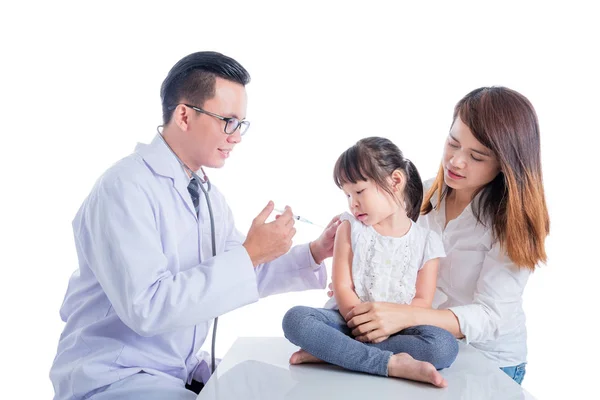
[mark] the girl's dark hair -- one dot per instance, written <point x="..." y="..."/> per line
<point x="505" y="122"/>
<point x="375" y="159"/>
<point x="193" y="79"/>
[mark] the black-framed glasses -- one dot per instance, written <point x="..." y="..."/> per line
<point x="231" y="124"/>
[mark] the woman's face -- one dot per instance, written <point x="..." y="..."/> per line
<point x="468" y="165"/>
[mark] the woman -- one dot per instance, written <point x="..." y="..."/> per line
<point x="487" y="202"/>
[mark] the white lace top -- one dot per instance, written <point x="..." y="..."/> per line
<point x="385" y="268"/>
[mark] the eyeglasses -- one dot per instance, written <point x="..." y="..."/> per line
<point x="231" y="124"/>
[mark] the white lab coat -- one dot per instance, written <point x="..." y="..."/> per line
<point x="147" y="287"/>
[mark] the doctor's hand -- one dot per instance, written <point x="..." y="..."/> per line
<point x="322" y="248"/>
<point x="267" y="241"/>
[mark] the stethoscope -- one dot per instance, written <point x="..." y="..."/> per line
<point x="212" y="227"/>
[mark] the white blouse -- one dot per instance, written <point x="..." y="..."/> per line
<point x="480" y="285"/>
<point x="385" y="268"/>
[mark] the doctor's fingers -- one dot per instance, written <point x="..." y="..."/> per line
<point x="286" y="223"/>
<point x="286" y="219"/>
<point x="333" y="221"/>
<point x="264" y="214"/>
<point x="290" y="223"/>
<point x="282" y="227"/>
<point x="291" y="234"/>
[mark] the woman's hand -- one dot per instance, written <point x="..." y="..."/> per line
<point x="375" y="322"/>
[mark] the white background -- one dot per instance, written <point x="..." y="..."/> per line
<point x="80" y="86"/>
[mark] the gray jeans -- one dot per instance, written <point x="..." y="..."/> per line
<point x="324" y="334"/>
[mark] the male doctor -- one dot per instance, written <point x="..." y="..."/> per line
<point x="140" y="305"/>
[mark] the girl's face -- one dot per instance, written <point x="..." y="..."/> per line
<point x="369" y="203"/>
<point x="468" y="165"/>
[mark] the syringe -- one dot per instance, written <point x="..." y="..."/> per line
<point x="301" y="219"/>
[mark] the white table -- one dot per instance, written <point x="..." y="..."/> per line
<point x="258" y="368"/>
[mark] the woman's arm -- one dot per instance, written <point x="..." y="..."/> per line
<point x="425" y="290"/>
<point x="451" y="324"/>
<point x="497" y="295"/>
<point x="343" y="287"/>
<point x="372" y="321"/>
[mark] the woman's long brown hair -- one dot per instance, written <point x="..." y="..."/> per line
<point x="504" y="121"/>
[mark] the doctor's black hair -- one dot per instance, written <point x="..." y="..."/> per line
<point x="193" y="79"/>
<point x="375" y="159"/>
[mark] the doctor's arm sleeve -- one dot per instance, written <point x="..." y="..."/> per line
<point x="121" y="244"/>
<point x="497" y="296"/>
<point x="293" y="272"/>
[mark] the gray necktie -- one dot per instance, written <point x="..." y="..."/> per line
<point x="194" y="188"/>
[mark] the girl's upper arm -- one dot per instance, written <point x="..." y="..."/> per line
<point x="426" y="283"/>
<point x="342" y="257"/>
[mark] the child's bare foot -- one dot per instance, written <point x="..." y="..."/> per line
<point x="404" y="366"/>
<point x="302" y="356"/>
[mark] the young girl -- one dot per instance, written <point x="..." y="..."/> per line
<point x="380" y="255"/>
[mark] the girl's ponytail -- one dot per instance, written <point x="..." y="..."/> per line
<point x="413" y="191"/>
